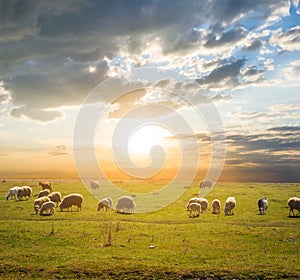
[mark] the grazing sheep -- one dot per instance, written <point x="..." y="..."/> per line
<point x="216" y="205"/>
<point x="55" y="197"/>
<point x="195" y="209"/>
<point x="25" y="191"/>
<point x="230" y="204"/>
<point x="47" y="207"/>
<point x="104" y="204"/>
<point x="294" y="204"/>
<point x="262" y="204"/>
<point x="192" y="200"/>
<point x="125" y="204"/>
<point x="204" y="203"/>
<point x="39" y="202"/>
<point x="43" y="193"/>
<point x="12" y="193"/>
<point x="69" y="200"/>
<point x="94" y="184"/>
<point x="45" y="185"/>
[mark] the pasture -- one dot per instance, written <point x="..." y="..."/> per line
<point x="74" y="245"/>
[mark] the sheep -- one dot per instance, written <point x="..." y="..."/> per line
<point x="104" y="204"/>
<point x="69" y="200"/>
<point x="230" y="204"/>
<point x="205" y="186"/>
<point x="192" y="200"/>
<point x="39" y="202"/>
<point x="43" y="193"/>
<point x="25" y="191"/>
<point x="47" y="207"/>
<point x="204" y="203"/>
<point x="12" y="193"/>
<point x="94" y="184"/>
<point x="125" y="204"/>
<point x="55" y="197"/>
<point x="294" y="204"/>
<point x="216" y="205"/>
<point x="195" y="209"/>
<point x="45" y="185"/>
<point x="262" y="204"/>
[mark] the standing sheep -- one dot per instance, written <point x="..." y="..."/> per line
<point x="47" y="207"/>
<point x="55" y="197"/>
<point x="43" y="193"/>
<point x="205" y="186"/>
<point x="69" y="200"/>
<point x="125" y="204"/>
<point x="262" y="204"/>
<point x="192" y="200"/>
<point x="12" y="193"/>
<point x="294" y="204"/>
<point x="45" y="185"/>
<point x="216" y="205"/>
<point x="195" y="209"/>
<point x="104" y="204"/>
<point x="39" y="202"/>
<point x="94" y="184"/>
<point x="230" y="204"/>
<point x="25" y="191"/>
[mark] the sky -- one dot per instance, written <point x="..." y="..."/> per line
<point x="144" y="69"/>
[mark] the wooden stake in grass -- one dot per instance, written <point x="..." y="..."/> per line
<point x="52" y="231"/>
<point x="118" y="226"/>
<point x="109" y="237"/>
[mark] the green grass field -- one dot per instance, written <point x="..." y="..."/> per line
<point x="72" y="245"/>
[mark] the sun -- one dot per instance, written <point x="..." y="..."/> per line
<point x="144" y="139"/>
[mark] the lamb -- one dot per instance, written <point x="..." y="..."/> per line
<point x="195" y="209"/>
<point x="55" y="197"/>
<point x="230" y="204"/>
<point x="125" y="204"/>
<point x="262" y="204"/>
<point x="43" y="193"/>
<point x="25" y="191"/>
<point x="216" y="205"/>
<point x="294" y="204"/>
<point x="69" y="200"/>
<point x="45" y="185"/>
<point x="204" y="203"/>
<point x="47" y="207"/>
<point x="12" y="193"/>
<point x="94" y="184"/>
<point x="39" y="202"/>
<point x="104" y="204"/>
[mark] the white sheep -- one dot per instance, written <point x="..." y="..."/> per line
<point x="230" y="204"/>
<point x="125" y="204"/>
<point x="55" y="197"/>
<point x="25" y="191"/>
<point x="204" y="204"/>
<point x="12" y="193"/>
<point x="45" y="185"/>
<point x="69" y="200"/>
<point x="216" y="206"/>
<point x="94" y="184"/>
<point x="47" y="208"/>
<point x="104" y="204"/>
<point x="43" y="193"/>
<point x="195" y="209"/>
<point x="262" y="204"/>
<point x="294" y="204"/>
<point x="37" y="204"/>
<point x="192" y="200"/>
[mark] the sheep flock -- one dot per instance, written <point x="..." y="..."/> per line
<point x="47" y="200"/>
